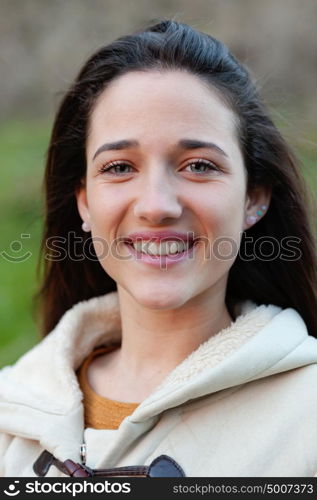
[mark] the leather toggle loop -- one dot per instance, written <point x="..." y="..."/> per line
<point x="43" y="463"/>
<point x="162" y="466"/>
<point x="75" y="470"/>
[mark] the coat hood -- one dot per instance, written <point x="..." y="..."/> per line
<point x="40" y="394"/>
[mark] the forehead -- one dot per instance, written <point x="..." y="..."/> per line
<point x="162" y="105"/>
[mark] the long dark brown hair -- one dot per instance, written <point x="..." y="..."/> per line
<point x="166" y="45"/>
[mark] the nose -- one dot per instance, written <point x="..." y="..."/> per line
<point x="157" y="200"/>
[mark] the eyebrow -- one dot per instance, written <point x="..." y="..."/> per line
<point x="183" y="143"/>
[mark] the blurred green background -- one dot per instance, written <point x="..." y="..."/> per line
<point x="42" y="46"/>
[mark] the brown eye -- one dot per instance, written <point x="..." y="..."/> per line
<point x="116" y="168"/>
<point x="201" y="167"/>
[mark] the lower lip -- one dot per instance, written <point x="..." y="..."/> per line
<point x="161" y="261"/>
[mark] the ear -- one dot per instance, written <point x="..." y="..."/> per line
<point x="257" y="205"/>
<point x="82" y="204"/>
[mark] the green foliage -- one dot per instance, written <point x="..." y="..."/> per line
<point x="22" y="151"/>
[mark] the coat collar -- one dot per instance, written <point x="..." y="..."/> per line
<point x="40" y="395"/>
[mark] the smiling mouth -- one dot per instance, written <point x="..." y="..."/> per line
<point x="159" y="249"/>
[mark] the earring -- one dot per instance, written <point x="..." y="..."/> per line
<point x="262" y="210"/>
<point x="85" y="227"/>
<point x="252" y="219"/>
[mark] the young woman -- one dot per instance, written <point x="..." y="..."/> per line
<point x="179" y="293"/>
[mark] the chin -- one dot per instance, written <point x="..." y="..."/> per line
<point x="160" y="299"/>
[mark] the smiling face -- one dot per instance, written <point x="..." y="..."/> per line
<point x="176" y="170"/>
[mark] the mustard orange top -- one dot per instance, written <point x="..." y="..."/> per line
<point x="100" y="412"/>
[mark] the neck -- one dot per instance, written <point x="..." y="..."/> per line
<point x="154" y="342"/>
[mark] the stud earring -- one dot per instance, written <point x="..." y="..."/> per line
<point x="262" y="210"/>
<point x="252" y="219"/>
<point x="85" y="227"/>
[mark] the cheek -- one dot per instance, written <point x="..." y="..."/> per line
<point x="106" y="207"/>
<point x="221" y="215"/>
<point x="222" y="209"/>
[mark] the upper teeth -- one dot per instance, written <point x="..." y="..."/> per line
<point x="163" y="248"/>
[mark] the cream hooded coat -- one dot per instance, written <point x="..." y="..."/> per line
<point x="243" y="404"/>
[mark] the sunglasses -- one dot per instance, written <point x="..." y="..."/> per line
<point x="162" y="466"/>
